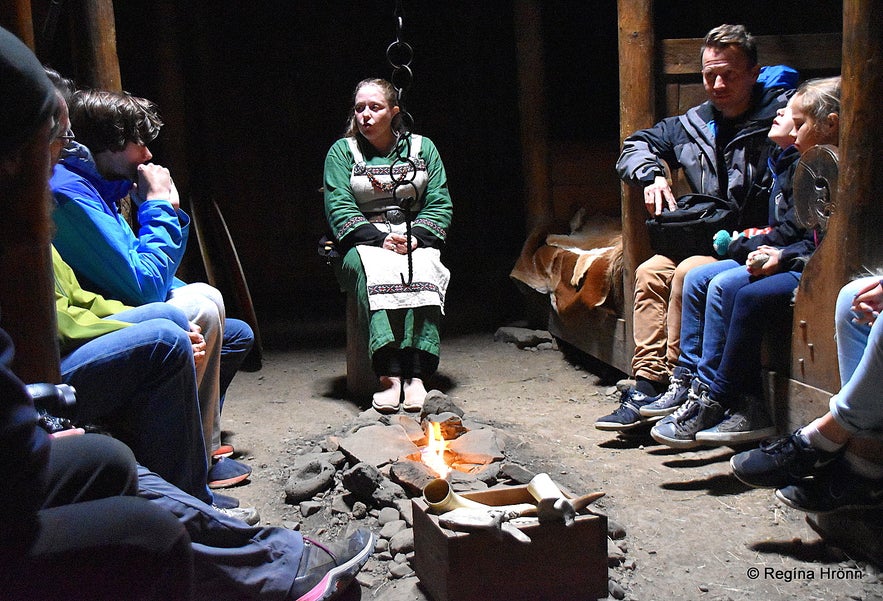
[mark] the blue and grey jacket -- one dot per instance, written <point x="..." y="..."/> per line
<point x="688" y="142"/>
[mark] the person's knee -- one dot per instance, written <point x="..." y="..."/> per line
<point x="238" y="335"/>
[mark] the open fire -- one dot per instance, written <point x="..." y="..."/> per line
<point x="433" y="454"/>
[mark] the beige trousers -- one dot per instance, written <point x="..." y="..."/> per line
<point x="659" y="283"/>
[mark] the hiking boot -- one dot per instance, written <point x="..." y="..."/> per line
<point x="674" y="397"/>
<point x="326" y="569"/>
<point x="700" y="412"/>
<point x="780" y="462"/>
<point x="748" y="423"/>
<point x="627" y="415"/>
<point x="836" y="488"/>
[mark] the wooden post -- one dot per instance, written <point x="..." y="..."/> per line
<point x="94" y="45"/>
<point x="852" y="244"/>
<point x="27" y="300"/>
<point x="637" y="111"/>
<point x="15" y="15"/>
<point x="532" y="109"/>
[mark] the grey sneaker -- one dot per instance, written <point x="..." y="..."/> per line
<point x="249" y="515"/>
<point x="748" y="423"/>
<point x="326" y="569"/>
<point x="838" y="487"/>
<point x="674" y="397"/>
<point x="700" y="412"/>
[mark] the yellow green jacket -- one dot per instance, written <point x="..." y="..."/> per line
<point x="80" y="313"/>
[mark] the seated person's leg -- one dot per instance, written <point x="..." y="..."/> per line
<point x="237" y="342"/>
<point x="153" y="311"/>
<point x="106" y="549"/>
<point x="722" y="290"/>
<point x="857" y="406"/>
<point x="87" y="467"/>
<point x="693" y="301"/>
<point x="233" y="560"/>
<point x="675" y="303"/>
<point x="652" y="291"/>
<point x="141" y="381"/>
<point x="852" y="337"/>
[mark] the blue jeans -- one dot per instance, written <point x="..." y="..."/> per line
<point x="759" y="308"/>
<point x="237" y="342"/>
<point x="701" y="312"/>
<point x="140" y="383"/>
<point x="858" y="407"/>
<point x="231" y="560"/>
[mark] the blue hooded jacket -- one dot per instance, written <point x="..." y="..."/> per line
<point x="97" y="242"/>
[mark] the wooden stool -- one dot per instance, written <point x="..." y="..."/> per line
<point x="361" y="382"/>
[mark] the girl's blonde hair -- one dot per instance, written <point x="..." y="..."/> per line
<point x="819" y="98"/>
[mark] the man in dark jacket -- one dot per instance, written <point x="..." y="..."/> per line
<point x="722" y="148"/>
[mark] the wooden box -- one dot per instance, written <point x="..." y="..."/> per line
<point x="561" y="563"/>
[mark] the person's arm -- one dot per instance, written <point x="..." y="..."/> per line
<point x="79" y="312"/>
<point x="24" y="447"/>
<point x="431" y="225"/>
<point x="348" y="225"/>
<point x="642" y="163"/>
<point x="104" y="251"/>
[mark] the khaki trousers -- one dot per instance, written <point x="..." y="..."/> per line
<point x="659" y="283"/>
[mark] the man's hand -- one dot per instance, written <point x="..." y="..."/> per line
<point x="154" y="183"/>
<point x="198" y="342"/>
<point x="867" y="303"/>
<point x="399" y="243"/>
<point x="658" y="195"/>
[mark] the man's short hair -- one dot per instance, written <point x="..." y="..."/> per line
<point x="731" y="35"/>
<point x="109" y="120"/>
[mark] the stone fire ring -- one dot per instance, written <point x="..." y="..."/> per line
<point x="308" y="480"/>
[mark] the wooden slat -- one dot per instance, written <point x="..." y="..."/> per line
<point x="804" y="52"/>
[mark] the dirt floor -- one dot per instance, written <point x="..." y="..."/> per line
<point x="693" y="531"/>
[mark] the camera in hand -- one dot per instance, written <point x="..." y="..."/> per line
<point x="52" y="397"/>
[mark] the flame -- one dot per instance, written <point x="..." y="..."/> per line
<point x="434" y="453"/>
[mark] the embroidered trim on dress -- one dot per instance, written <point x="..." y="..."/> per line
<point x="432" y="226"/>
<point x="349" y="225"/>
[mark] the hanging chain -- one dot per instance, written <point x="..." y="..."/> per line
<point x="399" y="54"/>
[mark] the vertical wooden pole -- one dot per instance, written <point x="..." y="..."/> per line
<point x="532" y="109"/>
<point x="637" y="103"/>
<point x="852" y="243"/>
<point x="94" y="45"/>
<point x="15" y="15"/>
<point x="27" y="300"/>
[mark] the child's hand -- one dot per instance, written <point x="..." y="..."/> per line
<point x="867" y="303"/>
<point x="769" y="266"/>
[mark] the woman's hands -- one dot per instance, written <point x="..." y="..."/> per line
<point x="399" y="243"/>
<point x="198" y="342"/>
<point x="867" y="303"/>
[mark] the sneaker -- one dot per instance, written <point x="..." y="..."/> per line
<point x="220" y="501"/>
<point x="780" y="462"/>
<point x="249" y="515"/>
<point x="328" y="568"/>
<point x="837" y="488"/>
<point x="224" y="450"/>
<point x="627" y="415"/>
<point x="748" y="423"/>
<point x="700" y="412"/>
<point x="227" y="472"/>
<point x="674" y="397"/>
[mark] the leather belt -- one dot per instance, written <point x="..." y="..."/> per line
<point x="392" y="216"/>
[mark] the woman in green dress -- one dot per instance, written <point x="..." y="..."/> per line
<point x="389" y="209"/>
